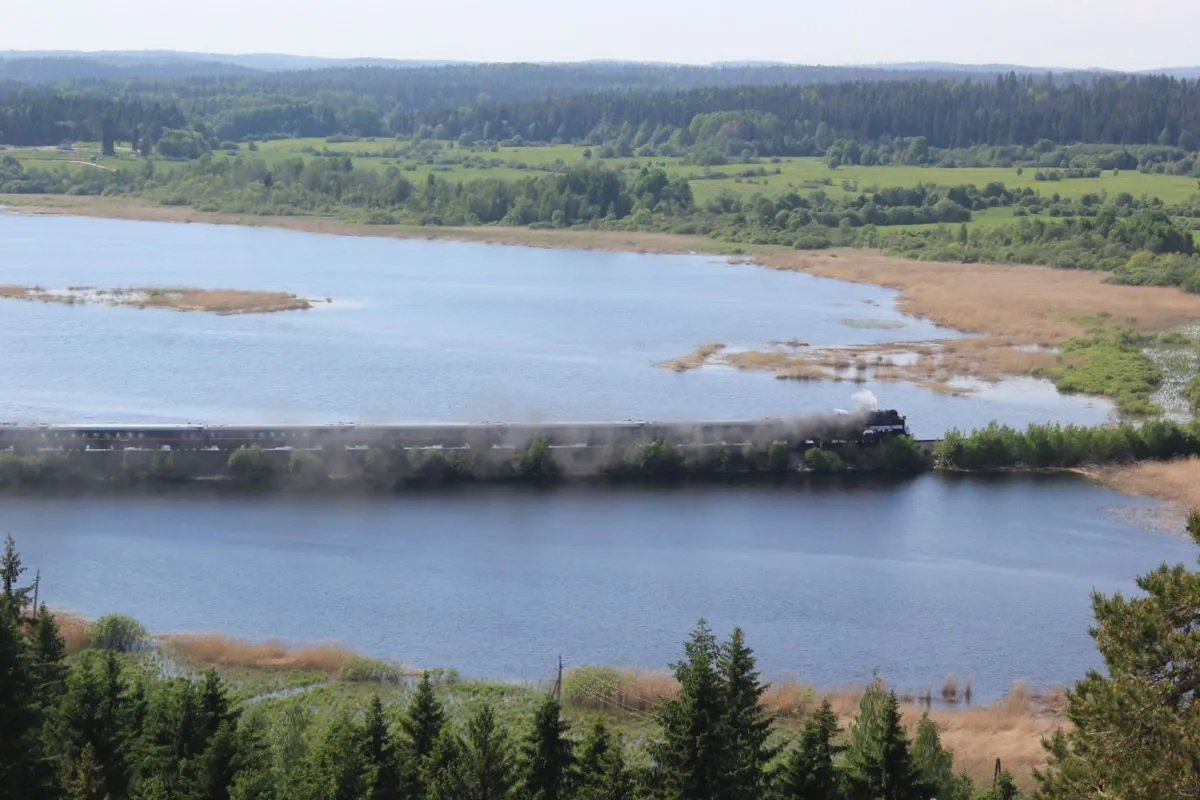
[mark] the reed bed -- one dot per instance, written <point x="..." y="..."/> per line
<point x="216" y="650"/>
<point x="216" y="301"/>
<point x="1173" y="481"/>
<point x="74" y="630"/>
<point x="695" y="359"/>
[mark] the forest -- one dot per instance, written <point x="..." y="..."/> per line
<point x="115" y="722"/>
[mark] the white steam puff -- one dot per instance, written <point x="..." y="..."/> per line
<point x="866" y="400"/>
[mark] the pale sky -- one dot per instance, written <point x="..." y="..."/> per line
<point x="1118" y="34"/>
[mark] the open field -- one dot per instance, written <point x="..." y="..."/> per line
<point x="783" y="175"/>
<point x="177" y="298"/>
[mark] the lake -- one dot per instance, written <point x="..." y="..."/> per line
<point x="439" y="331"/>
<point x="988" y="577"/>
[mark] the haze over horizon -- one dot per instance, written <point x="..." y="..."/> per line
<point x="1068" y="34"/>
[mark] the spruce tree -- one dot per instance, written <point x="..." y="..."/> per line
<point x="487" y="765"/>
<point x="18" y="715"/>
<point x="384" y="773"/>
<point x="48" y="653"/>
<point x="253" y="779"/>
<point x="85" y="779"/>
<point x="549" y="761"/>
<point x="338" y="771"/>
<point x="601" y="769"/>
<point x="15" y="598"/>
<point x="878" y="763"/>
<point x="747" y="722"/>
<point x="425" y="718"/>
<point x="811" y="772"/>
<point x="445" y="769"/>
<point x="693" y="755"/>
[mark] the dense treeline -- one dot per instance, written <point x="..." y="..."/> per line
<point x="787" y="120"/>
<point x="106" y="726"/>
<point x="727" y="110"/>
<point x="38" y="118"/>
<point x="1052" y="445"/>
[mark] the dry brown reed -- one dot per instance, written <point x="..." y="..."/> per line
<point x="695" y="359"/>
<point x="1174" y="481"/>
<point x="74" y="630"/>
<point x="216" y="650"/>
<point x="217" y="301"/>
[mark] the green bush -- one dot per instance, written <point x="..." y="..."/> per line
<point x="250" y="466"/>
<point x="591" y="687"/>
<point x="536" y="462"/>
<point x="360" y="669"/>
<point x="118" y="632"/>
<point x="824" y="461"/>
<point x="897" y="454"/>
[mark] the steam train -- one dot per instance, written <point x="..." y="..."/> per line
<point x="842" y="428"/>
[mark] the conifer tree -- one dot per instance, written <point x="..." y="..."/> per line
<point x="85" y="780"/>
<point x="602" y="772"/>
<point x="444" y="774"/>
<point x="1135" y="731"/>
<point x="692" y="757"/>
<point x="425" y="718"/>
<point x="254" y="780"/>
<point x="549" y="759"/>
<point x="339" y="769"/>
<point x="487" y="765"/>
<point x="48" y="653"/>
<point x="878" y="763"/>
<point x="18" y="715"/>
<point x="747" y="722"/>
<point x="810" y="772"/>
<point x="15" y="598"/>
<point x="98" y="714"/>
<point x="384" y="774"/>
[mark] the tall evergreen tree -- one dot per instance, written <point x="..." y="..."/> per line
<point x="811" y="772"/>
<point x="254" y="780"/>
<point x="384" y="772"/>
<point x="747" y="722"/>
<point x="18" y="715"/>
<point x="487" y="765"/>
<point x="602" y="771"/>
<point x="339" y="770"/>
<point x="98" y="714"/>
<point x="425" y="718"/>
<point x="48" y="653"/>
<point x="878" y="763"/>
<point x="1135" y="731"/>
<point x="693" y="757"/>
<point x="15" y="598"/>
<point x="549" y="761"/>
<point x="445" y="769"/>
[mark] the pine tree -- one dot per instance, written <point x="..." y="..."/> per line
<point x="693" y="757"/>
<point x="253" y="780"/>
<point x="810" y="772"/>
<point x="15" y="598"/>
<point x="445" y="772"/>
<point x="49" y="654"/>
<point x="487" y="765"/>
<point x="747" y="722"/>
<point x="98" y="714"/>
<point x="339" y="769"/>
<point x="18" y="716"/>
<point x="601" y="769"/>
<point x="549" y="759"/>
<point x="425" y="718"/>
<point x="878" y="764"/>
<point x="1135" y="731"/>
<point x="384" y="773"/>
<point x="935" y="764"/>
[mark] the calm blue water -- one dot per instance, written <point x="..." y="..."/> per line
<point x="982" y="577"/>
<point x="431" y="331"/>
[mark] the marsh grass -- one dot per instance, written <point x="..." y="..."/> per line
<point x="216" y="301"/>
<point x="1175" y="481"/>
<point x="216" y="650"/>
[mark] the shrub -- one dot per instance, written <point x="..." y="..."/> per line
<point x="249" y="465"/>
<point x="536" y="462"/>
<point x="118" y="632"/>
<point x="359" y="669"/>
<point x="820" y="460"/>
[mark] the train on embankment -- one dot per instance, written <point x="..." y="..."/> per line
<point x="836" y="428"/>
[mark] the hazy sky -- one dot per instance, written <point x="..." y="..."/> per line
<point x="1119" y="34"/>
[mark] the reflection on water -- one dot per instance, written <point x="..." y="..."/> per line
<point x="423" y="330"/>
<point x="982" y="577"/>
